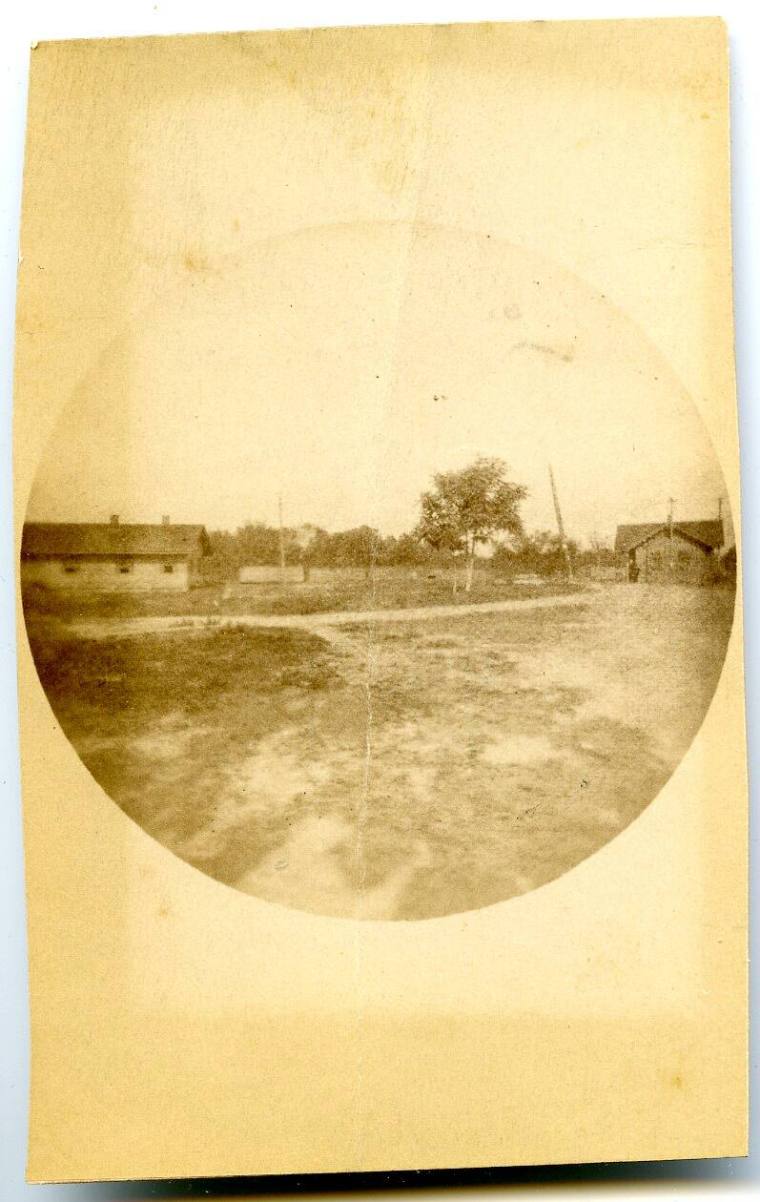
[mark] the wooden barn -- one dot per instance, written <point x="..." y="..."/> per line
<point x="670" y="552"/>
<point x="111" y="557"/>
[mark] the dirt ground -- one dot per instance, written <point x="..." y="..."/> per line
<point x="394" y="770"/>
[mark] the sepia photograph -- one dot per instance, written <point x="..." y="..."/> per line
<point x="378" y="593"/>
<point x="390" y="607"/>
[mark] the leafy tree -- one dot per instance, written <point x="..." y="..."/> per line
<point x="409" y="549"/>
<point x="540" y="552"/>
<point x="468" y="507"/>
<point x="358" y="547"/>
<point x="258" y="543"/>
<point x="306" y="540"/>
<point x="600" y="553"/>
<point x="221" y="562"/>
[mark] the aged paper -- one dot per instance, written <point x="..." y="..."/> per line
<point x="377" y="505"/>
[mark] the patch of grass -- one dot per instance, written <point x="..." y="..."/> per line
<point x="152" y="674"/>
<point x="469" y="758"/>
<point x="338" y="591"/>
<point x="159" y="719"/>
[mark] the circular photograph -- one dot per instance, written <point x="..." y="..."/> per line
<point x="384" y="572"/>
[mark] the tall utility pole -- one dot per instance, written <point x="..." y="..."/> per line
<point x="671" y="549"/>
<point x="560" y="525"/>
<point x="282" y="541"/>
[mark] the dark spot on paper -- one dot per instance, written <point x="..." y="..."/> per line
<point x="566" y="354"/>
<point x="196" y="261"/>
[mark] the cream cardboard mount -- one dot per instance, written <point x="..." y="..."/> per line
<point x="466" y="889"/>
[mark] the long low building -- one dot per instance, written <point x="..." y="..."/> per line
<point x="111" y="556"/>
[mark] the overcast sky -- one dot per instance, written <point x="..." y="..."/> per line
<point x="343" y="366"/>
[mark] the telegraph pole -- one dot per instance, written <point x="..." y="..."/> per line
<point x="671" y="565"/>
<point x="282" y="541"/>
<point x="560" y="524"/>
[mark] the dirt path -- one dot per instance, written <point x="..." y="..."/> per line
<point x="122" y="627"/>
<point x="433" y="761"/>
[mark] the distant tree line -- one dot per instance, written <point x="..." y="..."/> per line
<point x="313" y="547"/>
<point x="541" y="553"/>
<point x="462" y="511"/>
<point x="363" y="547"/>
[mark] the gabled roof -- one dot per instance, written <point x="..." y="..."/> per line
<point x="54" y="539"/>
<point x="708" y="533"/>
